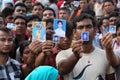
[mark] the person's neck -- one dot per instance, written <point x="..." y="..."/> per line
<point x="3" y="58"/>
<point x="20" y="38"/>
<point x="87" y="49"/>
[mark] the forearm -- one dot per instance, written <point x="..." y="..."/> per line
<point x="112" y="58"/>
<point x="40" y="59"/>
<point x="72" y="15"/>
<point x="67" y="65"/>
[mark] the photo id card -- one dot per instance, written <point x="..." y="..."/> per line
<point x="60" y="27"/>
<point x="56" y="39"/>
<point x="85" y="36"/>
<point x="76" y="3"/>
<point x="11" y="26"/>
<point x="112" y="29"/>
<point x="39" y="32"/>
<point x="105" y="30"/>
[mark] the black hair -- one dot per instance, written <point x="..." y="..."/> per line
<point x="23" y="45"/>
<point x="49" y="21"/>
<point x="59" y="22"/>
<point x="48" y="8"/>
<point x="20" y="4"/>
<point x="114" y="14"/>
<point x="89" y="11"/>
<point x="33" y="17"/>
<point x="111" y="1"/>
<point x="69" y="28"/>
<point x="5" y="29"/>
<point x="65" y="9"/>
<point x="21" y="17"/>
<point x="38" y="4"/>
<point x="6" y="12"/>
<point x="11" y="4"/>
<point x="82" y="17"/>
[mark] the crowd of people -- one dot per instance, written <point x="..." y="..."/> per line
<point x="69" y="57"/>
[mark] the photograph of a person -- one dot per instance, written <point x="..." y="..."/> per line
<point x="112" y="29"/>
<point x="59" y="27"/>
<point x="39" y="32"/>
<point x="85" y="36"/>
<point x="56" y="39"/>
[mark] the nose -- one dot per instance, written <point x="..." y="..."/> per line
<point x="6" y="42"/>
<point x="84" y="29"/>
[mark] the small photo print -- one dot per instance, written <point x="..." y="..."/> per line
<point x="85" y="36"/>
<point x="56" y="39"/>
<point x="60" y="27"/>
<point x="11" y="26"/>
<point x="112" y="29"/>
<point x="39" y="31"/>
<point x="105" y="30"/>
<point x="76" y="3"/>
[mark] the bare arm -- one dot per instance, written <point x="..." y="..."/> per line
<point x="107" y="42"/>
<point x="110" y="77"/>
<point x="66" y="66"/>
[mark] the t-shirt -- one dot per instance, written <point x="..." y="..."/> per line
<point x="89" y="67"/>
<point x="117" y="69"/>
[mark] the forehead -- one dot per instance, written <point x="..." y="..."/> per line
<point x="20" y="7"/>
<point x="19" y="20"/>
<point x="84" y="22"/>
<point x="5" y="35"/>
<point x="107" y="3"/>
<point x="47" y="11"/>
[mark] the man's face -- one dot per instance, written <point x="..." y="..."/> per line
<point x="47" y="14"/>
<point x="83" y="4"/>
<point x="83" y="26"/>
<point x="6" y="42"/>
<point x="28" y="3"/>
<point x="65" y="42"/>
<point x="20" y="10"/>
<point x="64" y="15"/>
<point x="29" y="27"/>
<point x="9" y="19"/>
<point x="108" y="7"/>
<point x="20" y="26"/>
<point x="37" y="10"/>
<point x="2" y="22"/>
<point x="118" y="33"/>
<point x="112" y="20"/>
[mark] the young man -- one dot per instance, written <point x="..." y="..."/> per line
<point x="37" y="9"/>
<point x="7" y="14"/>
<point x="20" y="36"/>
<point x="20" y="8"/>
<point x="83" y="59"/>
<point x="108" y="7"/>
<point x="10" y="68"/>
<point x="64" y="13"/>
<point x="48" y="13"/>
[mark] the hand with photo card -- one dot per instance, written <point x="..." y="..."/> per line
<point x="85" y="36"/>
<point x="56" y="39"/>
<point x="39" y="32"/>
<point x="11" y="26"/>
<point x="105" y="30"/>
<point x="60" y="27"/>
<point x="112" y="29"/>
<point x="76" y="3"/>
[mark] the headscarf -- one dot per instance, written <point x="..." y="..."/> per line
<point x="43" y="73"/>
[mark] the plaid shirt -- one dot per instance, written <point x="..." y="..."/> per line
<point x="10" y="71"/>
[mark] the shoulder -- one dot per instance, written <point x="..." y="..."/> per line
<point x="64" y="54"/>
